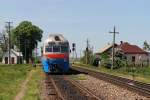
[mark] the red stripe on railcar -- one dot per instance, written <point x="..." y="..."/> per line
<point x="56" y="55"/>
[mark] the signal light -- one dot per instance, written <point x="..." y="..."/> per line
<point x="73" y="46"/>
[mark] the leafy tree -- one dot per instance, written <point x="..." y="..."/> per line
<point x="26" y="37"/>
<point x="88" y="55"/>
<point x="146" y="46"/>
<point x="3" y="44"/>
<point x="105" y="60"/>
<point x="120" y="60"/>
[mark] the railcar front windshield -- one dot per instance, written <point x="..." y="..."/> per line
<point x="48" y="49"/>
<point x="57" y="48"/>
<point x="64" y="49"/>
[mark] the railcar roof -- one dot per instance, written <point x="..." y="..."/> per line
<point x="56" y="38"/>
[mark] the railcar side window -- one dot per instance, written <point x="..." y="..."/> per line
<point x="64" y="49"/>
<point x="56" y="48"/>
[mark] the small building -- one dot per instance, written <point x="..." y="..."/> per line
<point x="107" y="49"/>
<point x="16" y="57"/>
<point x="133" y="53"/>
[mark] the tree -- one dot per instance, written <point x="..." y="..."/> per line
<point x="87" y="54"/>
<point x="146" y="46"/>
<point x="105" y="60"/>
<point x="3" y="43"/>
<point x="26" y="37"/>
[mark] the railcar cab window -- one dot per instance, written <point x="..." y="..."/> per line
<point x="56" y="48"/>
<point x="64" y="49"/>
<point x="48" y="49"/>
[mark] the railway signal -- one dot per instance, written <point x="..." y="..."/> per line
<point x="73" y="46"/>
<point x="74" y="51"/>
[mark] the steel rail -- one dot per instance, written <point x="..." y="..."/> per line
<point x="83" y="89"/>
<point x="57" y="90"/>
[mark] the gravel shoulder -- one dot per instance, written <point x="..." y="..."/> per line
<point x="105" y="90"/>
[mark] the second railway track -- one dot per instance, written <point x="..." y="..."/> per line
<point x="139" y="87"/>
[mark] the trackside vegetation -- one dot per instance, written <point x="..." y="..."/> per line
<point x="11" y="77"/>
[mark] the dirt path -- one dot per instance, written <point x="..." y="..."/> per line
<point x="22" y="91"/>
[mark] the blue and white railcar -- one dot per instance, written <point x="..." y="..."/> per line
<point x="56" y="54"/>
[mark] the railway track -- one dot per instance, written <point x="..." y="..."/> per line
<point x="61" y="87"/>
<point x="139" y="87"/>
<point x="52" y="91"/>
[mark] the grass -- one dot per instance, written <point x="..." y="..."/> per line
<point x="139" y="74"/>
<point x="11" y="77"/>
<point x="78" y="77"/>
<point x="33" y="87"/>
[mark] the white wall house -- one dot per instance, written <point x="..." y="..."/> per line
<point x="133" y="53"/>
<point x="16" y="57"/>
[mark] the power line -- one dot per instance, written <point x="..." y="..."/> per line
<point x="113" y="49"/>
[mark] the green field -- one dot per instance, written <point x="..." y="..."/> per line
<point x="11" y="78"/>
<point x="139" y="74"/>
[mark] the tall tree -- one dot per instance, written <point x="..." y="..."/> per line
<point x="3" y="42"/>
<point x="146" y="46"/>
<point x="26" y="37"/>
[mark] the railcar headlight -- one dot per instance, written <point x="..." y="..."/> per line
<point x="65" y="60"/>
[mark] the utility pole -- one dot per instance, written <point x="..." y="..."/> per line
<point x="8" y="26"/>
<point x="19" y="42"/>
<point x="87" y="50"/>
<point x="113" y="49"/>
<point x="25" y="41"/>
<point x="35" y="53"/>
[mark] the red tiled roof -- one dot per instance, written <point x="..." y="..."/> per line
<point x="131" y="49"/>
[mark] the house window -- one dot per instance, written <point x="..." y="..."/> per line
<point x="12" y="60"/>
<point x="133" y="58"/>
<point x="6" y="60"/>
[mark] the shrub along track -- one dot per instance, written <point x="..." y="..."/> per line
<point x="139" y="87"/>
<point x="61" y="87"/>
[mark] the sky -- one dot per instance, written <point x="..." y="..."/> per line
<point x="78" y="20"/>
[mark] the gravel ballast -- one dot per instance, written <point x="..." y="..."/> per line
<point x="108" y="91"/>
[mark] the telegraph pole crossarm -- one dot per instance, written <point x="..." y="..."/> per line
<point x="113" y="49"/>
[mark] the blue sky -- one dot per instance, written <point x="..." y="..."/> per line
<point x="78" y="20"/>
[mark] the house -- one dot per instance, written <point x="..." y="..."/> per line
<point x="107" y="49"/>
<point x="16" y="57"/>
<point x="132" y="53"/>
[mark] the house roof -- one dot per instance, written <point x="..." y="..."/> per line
<point x="106" y="48"/>
<point x="16" y="53"/>
<point x="131" y="49"/>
